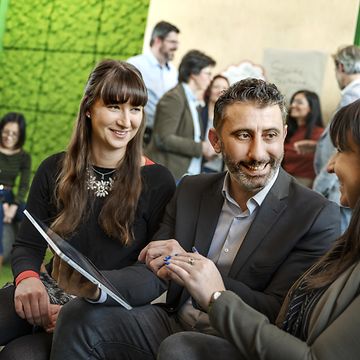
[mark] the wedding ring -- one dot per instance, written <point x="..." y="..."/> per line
<point x="191" y="261"/>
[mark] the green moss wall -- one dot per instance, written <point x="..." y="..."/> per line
<point x="49" y="49"/>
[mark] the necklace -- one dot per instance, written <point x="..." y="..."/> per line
<point x="102" y="174"/>
<point x="102" y="187"/>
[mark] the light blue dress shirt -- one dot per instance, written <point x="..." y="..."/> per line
<point x="158" y="80"/>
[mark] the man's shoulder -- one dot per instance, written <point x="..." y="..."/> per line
<point x="195" y="183"/>
<point x="303" y="195"/>
<point x="137" y="60"/>
<point x="176" y="93"/>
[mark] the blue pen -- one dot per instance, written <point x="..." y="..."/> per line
<point x="194" y="250"/>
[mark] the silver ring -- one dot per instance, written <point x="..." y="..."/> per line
<point x="191" y="261"/>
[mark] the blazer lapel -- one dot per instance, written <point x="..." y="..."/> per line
<point x="272" y="207"/>
<point x="210" y="207"/>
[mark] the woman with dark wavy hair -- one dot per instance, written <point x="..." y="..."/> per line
<point x="102" y="195"/>
<point x="304" y="130"/>
<point x="319" y="318"/>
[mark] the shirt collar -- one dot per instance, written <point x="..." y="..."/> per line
<point x="154" y="61"/>
<point x="350" y="86"/>
<point x="188" y="92"/>
<point x="256" y="200"/>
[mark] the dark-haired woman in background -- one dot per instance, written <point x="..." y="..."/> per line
<point x="14" y="162"/>
<point x="304" y="130"/>
<point x="102" y="195"/>
<point x="218" y="84"/>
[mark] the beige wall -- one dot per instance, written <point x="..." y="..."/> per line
<point x="236" y="30"/>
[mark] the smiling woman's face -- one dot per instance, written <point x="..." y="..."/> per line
<point x="346" y="165"/>
<point x="10" y="135"/>
<point x="113" y="126"/>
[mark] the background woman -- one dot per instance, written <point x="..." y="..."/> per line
<point x="304" y="129"/>
<point x="320" y="316"/>
<point x="14" y="163"/>
<point x="218" y="84"/>
<point x="102" y="195"/>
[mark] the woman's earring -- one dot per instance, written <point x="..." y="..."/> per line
<point x="88" y="116"/>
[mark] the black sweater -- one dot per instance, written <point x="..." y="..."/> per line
<point x="105" y="252"/>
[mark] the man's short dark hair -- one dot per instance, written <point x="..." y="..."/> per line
<point x="161" y="30"/>
<point x="192" y="63"/>
<point x="256" y="91"/>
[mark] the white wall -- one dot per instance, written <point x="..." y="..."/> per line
<point x="234" y="30"/>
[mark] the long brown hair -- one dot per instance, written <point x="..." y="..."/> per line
<point x="114" y="82"/>
<point x="346" y="250"/>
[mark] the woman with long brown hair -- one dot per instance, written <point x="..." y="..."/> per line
<point x="320" y="316"/>
<point x="102" y="195"/>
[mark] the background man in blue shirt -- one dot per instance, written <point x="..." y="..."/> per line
<point x="158" y="73"/>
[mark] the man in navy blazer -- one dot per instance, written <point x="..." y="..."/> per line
<point x="260" y="227"/>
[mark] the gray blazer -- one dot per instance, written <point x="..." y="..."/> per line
<point x="292" y="229"/>
<point x="333" y="328"/>
<point x="172" y="143"/>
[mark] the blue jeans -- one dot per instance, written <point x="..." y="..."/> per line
<point x="6" y="196"/>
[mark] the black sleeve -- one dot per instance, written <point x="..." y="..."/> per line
<point x="29" y="248"/>
<point x="161" y="185"/>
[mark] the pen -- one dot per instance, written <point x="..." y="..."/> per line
<point x="194" y="250"/>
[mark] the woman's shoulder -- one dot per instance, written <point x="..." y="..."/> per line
<point x="157" y="175"/>
<point x="52" y="163"/>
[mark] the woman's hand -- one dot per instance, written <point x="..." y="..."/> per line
<point x="153" y="255"/>
<point x="32" y="302"/>
<point x="198" y="274"/>
<point x="72" y="282"/>
<point x="54" y="313"/>
<point x="9" y="212"/>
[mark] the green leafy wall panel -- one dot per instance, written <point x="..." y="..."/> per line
<point x="49" y="49"/>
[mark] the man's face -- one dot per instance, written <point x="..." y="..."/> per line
<point x="252" y="143"/>
<point x="339" y="74"/>
<point x="169" y="46"/>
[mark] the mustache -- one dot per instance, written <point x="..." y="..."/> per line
<point x="255" y="163"/>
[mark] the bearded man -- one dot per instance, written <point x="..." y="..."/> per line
<point x="258" y="225"/>
<point x="156" y="68"/>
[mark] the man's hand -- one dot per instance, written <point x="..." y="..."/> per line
<point x="72" y="281"/>
<point x="155" y="252"/>
<point x="198" y="274"/>
<point x="32" y="302"/>
<point x="54" y="313"/>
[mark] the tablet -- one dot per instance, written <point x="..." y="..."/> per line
<point x="77" y="260"/>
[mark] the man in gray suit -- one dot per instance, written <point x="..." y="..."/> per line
<point x="177" y="140"/>
<point x="260" y="227"/>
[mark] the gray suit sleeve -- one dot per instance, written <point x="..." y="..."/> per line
<point x="255" y="338"/>
<point x="169" y="116"/>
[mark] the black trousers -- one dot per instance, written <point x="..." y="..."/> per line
<point x="21" y="339"/>
<point x="95" y="331"/>
<point x="196" y="346"/>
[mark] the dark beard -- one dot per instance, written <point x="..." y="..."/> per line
<point x="252" y="183"/>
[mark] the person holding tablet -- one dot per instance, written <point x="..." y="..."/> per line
<point x="102" y="195"/>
